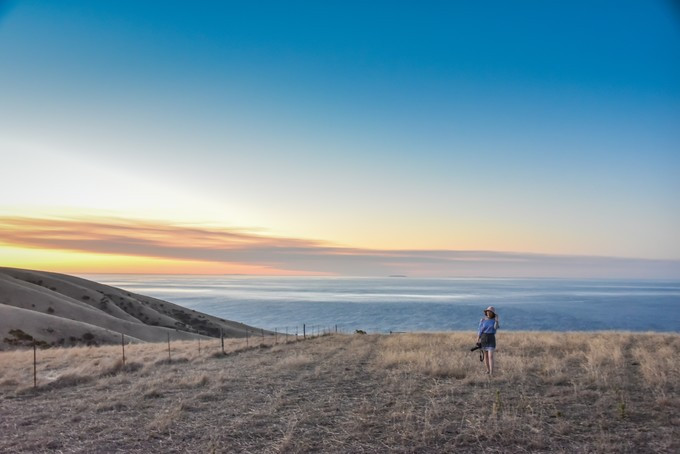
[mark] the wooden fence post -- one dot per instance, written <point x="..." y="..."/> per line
<point x="246" y="337"/>
<point x="199" y="345"/>
<point x="35" y="366"/>
<point x="304" y="331"/>
<point x="122" y="344"/>
<point x="222" y="340"/>
<point x="276" y="336"/>
<point x="169" y="356"/>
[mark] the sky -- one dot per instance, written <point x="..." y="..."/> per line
<point x="446" y="139"/>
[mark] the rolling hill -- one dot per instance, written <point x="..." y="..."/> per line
<point x="59" y="309"/>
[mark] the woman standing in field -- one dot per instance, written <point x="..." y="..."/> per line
<point x="486" y="336"/>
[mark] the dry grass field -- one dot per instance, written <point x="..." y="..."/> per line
<point x="552" y="392"/>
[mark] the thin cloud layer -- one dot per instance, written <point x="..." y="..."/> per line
<point x="145" y="238"/>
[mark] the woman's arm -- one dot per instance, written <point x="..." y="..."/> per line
<point x="497" y="323"/>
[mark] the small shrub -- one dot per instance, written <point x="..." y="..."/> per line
<point x="21" y="339"/>
<point x="20" y="335"/>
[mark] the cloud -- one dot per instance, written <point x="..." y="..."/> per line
<point x="245" y="246"/>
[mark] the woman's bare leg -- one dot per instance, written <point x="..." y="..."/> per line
<point x="490" y="362"/>
<point x="486" y="361"/>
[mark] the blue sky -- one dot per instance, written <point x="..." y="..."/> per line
<point x="525" y="127"/>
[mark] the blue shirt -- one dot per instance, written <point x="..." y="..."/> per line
<point x="488" y="326"/>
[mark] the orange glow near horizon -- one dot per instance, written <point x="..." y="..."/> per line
<point x="71" y="262"/>
<point x="96" y="245"/>
<point x="135" y="246"/>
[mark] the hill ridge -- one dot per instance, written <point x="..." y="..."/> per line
<point x="60" y="309"/>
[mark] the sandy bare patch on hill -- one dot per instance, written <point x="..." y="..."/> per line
<point x="402" y="393"/>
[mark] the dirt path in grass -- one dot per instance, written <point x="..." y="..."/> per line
<point x="303" y="401"/>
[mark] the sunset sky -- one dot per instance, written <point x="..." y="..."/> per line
<point x="351" y="138"/>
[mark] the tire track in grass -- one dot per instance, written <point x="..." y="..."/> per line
<point x="277" y="401"/>
<point x="340" y="386"/>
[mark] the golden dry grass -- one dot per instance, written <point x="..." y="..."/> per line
<point x="553" y="392"/>
<point x="56" y="365"/>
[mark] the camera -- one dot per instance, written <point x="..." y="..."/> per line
<point x="477" y="347"/>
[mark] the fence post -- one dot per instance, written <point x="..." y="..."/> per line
<point x="276" y="336"/>
<point x="169" y="356"/>
<point x="222" y="340"/>
<point x="304" y="331"/>
<point x="35" y="366"/>
<point x="286" y="334"/>
<point x="336" y="329"/>
<point x="122" y="343"/>
<point x="246" y="337"/>
<point x="199" y="345"/>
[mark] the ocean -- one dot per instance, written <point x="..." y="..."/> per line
<point x="402" y="304"/>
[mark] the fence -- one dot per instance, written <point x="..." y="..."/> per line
<point x="129" y="352"/>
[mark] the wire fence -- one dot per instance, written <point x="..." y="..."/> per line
<point x="130" y="352"/>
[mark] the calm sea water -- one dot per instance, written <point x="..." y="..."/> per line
<point x="409" y="304"/>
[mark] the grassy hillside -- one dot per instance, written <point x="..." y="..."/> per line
<point x="571" y="392"/>
<point x="57" y="309"/>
